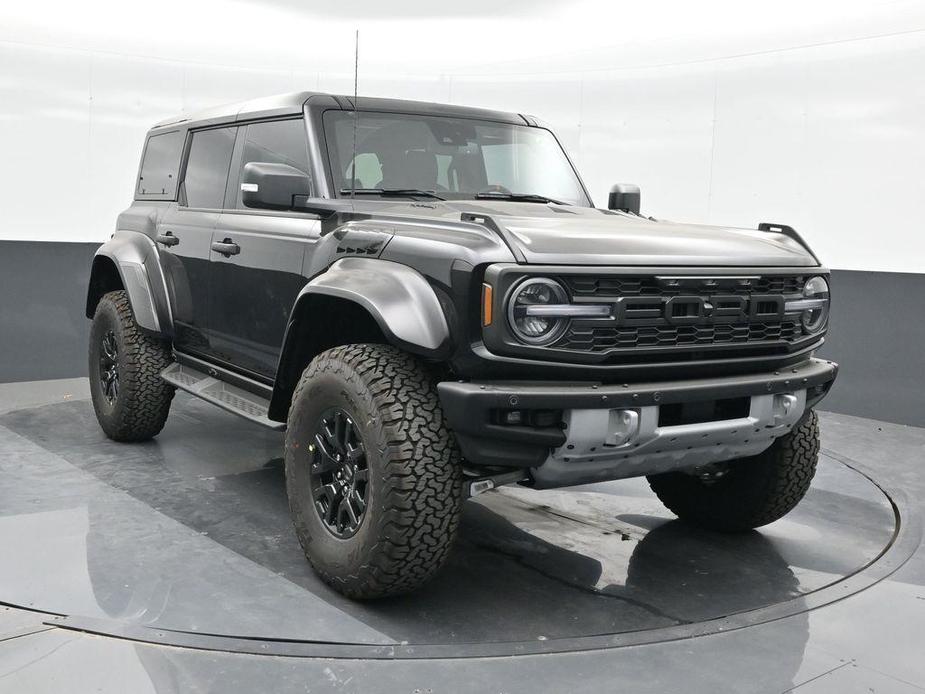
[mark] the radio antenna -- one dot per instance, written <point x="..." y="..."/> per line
<point x="356" y="70"/>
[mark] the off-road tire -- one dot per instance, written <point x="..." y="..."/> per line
<point x="753" y="491"/>
<point x="414" y="471"/>
<point x="140" y="408"/>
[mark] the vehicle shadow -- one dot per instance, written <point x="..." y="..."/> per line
<point x="522" y="574"/>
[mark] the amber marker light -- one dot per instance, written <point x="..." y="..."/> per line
<point x="486" y="305"/>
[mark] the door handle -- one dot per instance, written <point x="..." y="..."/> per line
<point x="226" y="248"/>
<point x="167" y="238"/>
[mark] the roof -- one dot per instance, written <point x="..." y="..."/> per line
<point x="292" y="103"/>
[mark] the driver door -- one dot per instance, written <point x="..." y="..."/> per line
<point x="254" y="286"/>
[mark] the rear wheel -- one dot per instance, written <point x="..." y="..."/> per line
<point x="746" y="493"/>
<point x="372" y="471"/>
<point x="130" y="398"/>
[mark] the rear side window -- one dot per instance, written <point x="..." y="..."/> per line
<point x="159" y="165"/>
<point x="275" y="142"/>
<point x="207" y="167"/>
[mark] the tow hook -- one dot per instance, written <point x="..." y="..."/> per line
<point x="480" y="485"/>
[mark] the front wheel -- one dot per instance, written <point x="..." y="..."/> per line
<point x="747" y="493"/>
<point x="373" y="474"/>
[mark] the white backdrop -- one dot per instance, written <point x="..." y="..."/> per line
<point x="806" y="113"/>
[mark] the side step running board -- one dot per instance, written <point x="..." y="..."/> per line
<point x="225" y="395"/>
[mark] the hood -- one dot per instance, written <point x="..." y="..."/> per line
<point x="563" y="235"/>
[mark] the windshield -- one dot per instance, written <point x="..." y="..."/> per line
<point x="453" y="158"/>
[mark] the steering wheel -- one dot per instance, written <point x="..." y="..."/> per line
<point x="496" y="188"/>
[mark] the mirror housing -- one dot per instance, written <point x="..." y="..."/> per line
<point x="624" y="197"/>
<point x="271" y="186"/>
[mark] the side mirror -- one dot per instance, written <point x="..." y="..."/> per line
<point x="271" y="186"/>
<point x="624" y="197"/>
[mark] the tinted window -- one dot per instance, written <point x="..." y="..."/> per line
<point x="207" y="167"/>
<point x="276" y="142"/>
<point x="159" y="165"/>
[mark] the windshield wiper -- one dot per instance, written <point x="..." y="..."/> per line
<point x="517" y="197"/>
<point x="391" y="192"/>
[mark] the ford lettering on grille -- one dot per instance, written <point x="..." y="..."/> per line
<point x="699" y="310"/>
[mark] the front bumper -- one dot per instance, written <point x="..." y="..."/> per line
<point x="593" y="443"/>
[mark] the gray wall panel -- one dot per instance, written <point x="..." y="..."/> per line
<point x="877" y="334"/>
<point x="43" y="330"/>
<point x="878" y="338"/>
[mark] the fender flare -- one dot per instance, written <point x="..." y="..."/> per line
<point x="397" y="297"/>
<point x="135" y="258"/>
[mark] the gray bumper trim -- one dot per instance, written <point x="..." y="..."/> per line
<point x="651" y="449"/>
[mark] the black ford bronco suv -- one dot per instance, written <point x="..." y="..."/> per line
<point x="426" y="299"/>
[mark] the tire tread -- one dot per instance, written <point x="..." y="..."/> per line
<point x="422" y="471"/>
<point x="143" y="357"/>
<point x="757" y="491"/>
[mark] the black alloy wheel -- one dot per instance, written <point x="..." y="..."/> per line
<point x="338" y="473"/>
<point x="109" y="366"/>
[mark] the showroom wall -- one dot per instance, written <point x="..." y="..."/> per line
<point x="803" y="113"/>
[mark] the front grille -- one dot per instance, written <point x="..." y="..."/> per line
<point x="598" y="336"/>
<point x="603" y="339"/>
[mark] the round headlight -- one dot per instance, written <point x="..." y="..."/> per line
<point x="814" y="317"/>
<point x="536" y="329"/>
